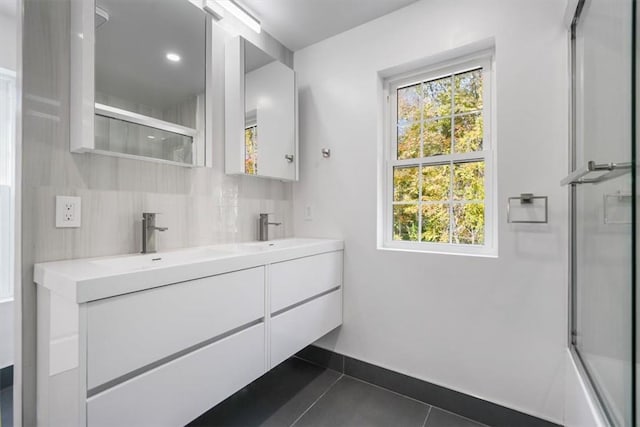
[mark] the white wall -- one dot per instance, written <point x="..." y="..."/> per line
<point x="8" y="42"/>
<point x="6" y="277"/>
<point x="7" y="61"/>
<point x="581" y="410"/>
<point x="6" y="333"/>
<point x="491" y="327"/>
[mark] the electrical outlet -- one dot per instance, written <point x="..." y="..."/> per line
<point x="308" y="212"/>
<point x="68" y="212"/>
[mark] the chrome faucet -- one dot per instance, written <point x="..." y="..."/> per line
<point x="149" y="232"/>
<point x="263" y="228"/>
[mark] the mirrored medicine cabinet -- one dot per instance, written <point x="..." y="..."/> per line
<point x="140" y="80"/>
<point x="261" y="136"/>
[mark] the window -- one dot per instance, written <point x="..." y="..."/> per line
<point x="439" y="158"/>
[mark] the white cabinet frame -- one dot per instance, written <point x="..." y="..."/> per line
<point x="234" y="120"/>
<point x="83" y="107"/>
<point x="78" y="386"/>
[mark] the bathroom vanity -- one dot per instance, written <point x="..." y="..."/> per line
<point x="159" y="339"/>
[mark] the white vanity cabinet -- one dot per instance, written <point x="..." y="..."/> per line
<point x="306" y="302"/>
<point x="164" y="353"/>
<point x="131" y="331"/>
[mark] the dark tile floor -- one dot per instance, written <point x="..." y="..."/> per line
<point x="297" y="393"/>
<point x="6" y="407"/>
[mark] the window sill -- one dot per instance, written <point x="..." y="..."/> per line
<point x="440" y="249"/>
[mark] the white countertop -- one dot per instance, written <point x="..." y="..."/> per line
<point x="89" y="279"/>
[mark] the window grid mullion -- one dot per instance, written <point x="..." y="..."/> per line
<point x="417" y="162"/>
<point x="471" y="156"/>
<point x="436" y="118"/>
<point x="439" y="202"/>
<point x="451" y="174"/>
<point x="420" y="178"/>
<point x="420" y="204"/>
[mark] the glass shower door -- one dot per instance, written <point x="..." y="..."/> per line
<point x="603" y="200"/>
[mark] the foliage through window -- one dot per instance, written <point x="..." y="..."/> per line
<point x="251" y="150"/>
<point x="438" y="162"/>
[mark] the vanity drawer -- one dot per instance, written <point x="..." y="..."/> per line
<point x="179" y="391"/>
<point x="295" y="329"/>
<point x="299" y="279"/>
<point x="131" y="331"/>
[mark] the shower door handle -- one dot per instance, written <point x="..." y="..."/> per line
<point x="608" y="171"/>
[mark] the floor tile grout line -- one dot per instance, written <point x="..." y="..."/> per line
<point x="343" y="374"/>
<point x="424" y="424"/>
<point x="320" y="365"/>
<point x="390" y="391"/>
<point x="462" y="416"/>
<point x="316" y="401"/>
<point x="418" y="401"/>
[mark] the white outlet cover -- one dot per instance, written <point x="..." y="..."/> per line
<point x="308" y="212"/>
<point x="68" y="212"/>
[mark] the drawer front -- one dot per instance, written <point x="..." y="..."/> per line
<point x="297" y="280"/>
<point x="179" y="391"/>
<point x="131" y="331"/>
<point x="295" y="329"/>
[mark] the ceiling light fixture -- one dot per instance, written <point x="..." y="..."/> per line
<point x="101" y="17"/>
<point x="214" y="9"/>
<point x="239" y="12"/>
<point x="173" y="57"/>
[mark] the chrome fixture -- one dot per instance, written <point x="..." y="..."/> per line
<point x="326" y="153"/>
<point x="609" y="171"/>
<point x="149" y="232"/>
<point x="263" y="228"/>
<point x="289" y="157"/>
<point x="527" y="200"/>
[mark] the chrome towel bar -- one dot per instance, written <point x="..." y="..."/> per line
<point x="609" y="171"/>
<point x="527" y="199"/>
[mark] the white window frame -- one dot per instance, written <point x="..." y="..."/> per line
<point x="484" y="60"/>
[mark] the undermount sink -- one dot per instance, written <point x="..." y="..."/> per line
<point x="273" y="244"/>
<point x="160" y="259"/>
<point x="136" y="262"/>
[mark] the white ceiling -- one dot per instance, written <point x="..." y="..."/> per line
<point x="130" y="48"/>
<point x="300" y="23"/>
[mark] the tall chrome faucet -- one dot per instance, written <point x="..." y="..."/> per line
<point x="149" y="232"/>
<point x="263" y="228"/>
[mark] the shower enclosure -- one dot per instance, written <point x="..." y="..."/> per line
<point x="603" y="202"/>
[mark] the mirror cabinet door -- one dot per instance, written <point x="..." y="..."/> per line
<point x="150" y="65"/>
<point x="261" y="129"/>
<point x="150" y="79"/>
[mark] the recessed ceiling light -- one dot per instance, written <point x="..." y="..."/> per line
<point x="151" y="137"/>
<point x="173" y="57"/>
